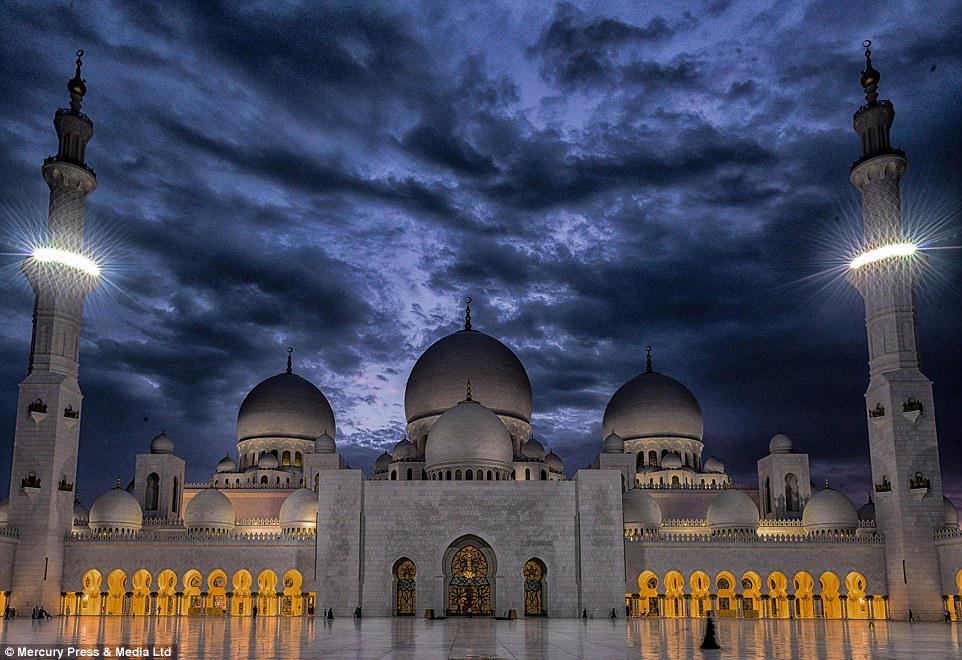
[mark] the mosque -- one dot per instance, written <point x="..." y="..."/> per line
<point x="469" y="514"/>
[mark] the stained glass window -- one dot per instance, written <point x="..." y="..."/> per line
<point x="405" y="573"/>
<point x="533" y="572"/>
<point x="469" y="591"/>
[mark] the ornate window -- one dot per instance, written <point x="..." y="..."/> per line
<point x="791" y="493"/>
<point x="533" y="572"/>
<point x="469" y="591"/>
<point x="405" y="573"/>
<point x="152" y="495"/>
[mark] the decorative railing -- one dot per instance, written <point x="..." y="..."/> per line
<point x="683" y="486"/>
<point x="164" y="522"/>
<point x="188" y="536"/>
<point x="207" y="484"/>
<point x="656" y="536"/>
<point x="780" y="522"/>
<point x="685" y="522"/>
<point x="948" y="533"/>
<point x="259" y="522"/>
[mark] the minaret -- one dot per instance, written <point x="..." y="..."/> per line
<point x="901" y="414"/>
<point x="48" y="408"/>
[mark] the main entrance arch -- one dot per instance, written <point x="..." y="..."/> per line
<point x="469" y="569"/>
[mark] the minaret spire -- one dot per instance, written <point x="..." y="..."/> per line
<point x="76" y="86"/>
<point x="467" y="313"/>
<point x="290" y="362"/>
<point x="648" y="368"/>
<point x="903" y="447"/>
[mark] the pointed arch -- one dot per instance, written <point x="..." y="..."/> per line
<point x="242" y="581"/>
<point x="700" y="585"/>
<point x="166" y="593"/>
<point x="778" y="595"/>
<point x="469" y="568"/>
<point x="674" y="594"/>
<point x="217" y="592"/>
<point x="267" y="593"/>
<point x="725" y="592"/>
<point x="535" y="575"/>
<point x="804" y="585"/>
<point x="90" y="599"/>
<point x="405" y="574"/>
<point x="140" y="584"/>
<point x="647" y="594"/>
<point x="857" y="601"/>
<point x="751" y="585"/>
<point x="829" y="591"/>
<point x="116" y="590"/>
<point x="191" y="603"/>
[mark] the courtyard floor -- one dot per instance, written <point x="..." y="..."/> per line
<point x="484" y="638"/>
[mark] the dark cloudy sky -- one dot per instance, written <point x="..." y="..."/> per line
<point x="598" y="177"/>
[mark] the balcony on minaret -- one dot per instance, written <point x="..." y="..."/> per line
<point x="71" y="416"/>
<point x="37" y="410"/>
<point x="30" y="483"/>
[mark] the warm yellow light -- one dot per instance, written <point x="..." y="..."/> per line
<point x="65" y="257"/>
<point x="883" y="253"/>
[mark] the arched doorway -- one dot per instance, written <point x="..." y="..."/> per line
<point x="405" y="587"/>
<point x="217" y="592"/>
<point x="725" y="591"/>
<point x="167" y="593"/>
<point x="140" y="598"/>
<point x="468" y="565"/>
<point x="831" y="605"/>
<point x="751" y="595"/>
<point x="293" y="603"/>
<point x="778" y="595"/>
<point x="90" y="601"/>
<point x="152" y="493"/>
<point x="242" y="581"/>
<point x="267" y="593"/>
<point x="534" y="573"/>
<point x="647" y="594"/>
<point x="192" y="603"/>
<point x="700" y="603"/>
<point x="116" y="589"/>
<point x="674" y="594"/>
<point x="857" y="601"/>
<point x="804" y="595"/>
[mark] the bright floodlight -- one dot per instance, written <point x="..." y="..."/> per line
<point x="67" y="258"/>
<point x="882" y="253"/>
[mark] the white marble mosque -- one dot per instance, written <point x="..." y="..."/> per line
<point x="469" y="514"/>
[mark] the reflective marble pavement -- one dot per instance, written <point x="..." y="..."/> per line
<point x="485" y="638"/>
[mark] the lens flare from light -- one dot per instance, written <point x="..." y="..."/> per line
<point x="882" y="253"/>
<point x="65" y="257"/>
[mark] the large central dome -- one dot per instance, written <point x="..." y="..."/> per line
<point x="285" y="406"/>
<point x="653" y="405"/>
<point x="497" y="378"/>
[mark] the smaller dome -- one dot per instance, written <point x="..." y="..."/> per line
<point x="209" y="509"/>
<point x="299" y="510"/>
<point x="732" y="510"/>
<point x="641" y="509"/>
<point x="554" y="462"/>
<point x="533" y="449"/>
<point x="383" y="462"/>
<point x="161" y="444"/>
<point x="780" y="444"/>
<point x="324" y="444"/>
<point x="613" y="444"/>
<point x="226" y="464"/>
<point x="4" y="512"/>
<point x="268" y="462"/>
<point x="116" y="509"/>
<point x="671" y="461"/>
<point x="404" y="450"/>
<point x="829" y="510"/>
<point x="951" y="513"/>
<point x="867" y="511"/>
<point x="714" y="465"/>
<point x="469" y="434"/>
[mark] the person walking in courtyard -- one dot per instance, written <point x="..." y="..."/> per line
<point x="911" y="617"/>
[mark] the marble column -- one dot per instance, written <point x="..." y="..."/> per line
<point x="179" y="603"/>
<point x="739" y="606"/>
<point x="230" y="603"/>
<point x="844" y="602"/>
<point x="818" y="606"/>
<point x="792" y="614"/>
<point x="103" y="603"/>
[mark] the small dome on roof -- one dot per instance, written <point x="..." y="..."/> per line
<point x="469" y="434"/>
<point x="324" y="444"/>
<point x="299" y="510"/>
<point x="533" y="449"/>
<point x="613" y="444"/>
<point x="829" y="510"/>
<point x="641" y="509"/>
<point x="116" y="509"/>
<point x="226" y="464"/>
<point x="209" y="509"/>
<point x="383" y="462"/>
<point x="554" y="462"/>
<point x="161" y="444"/>
<point x="268" y="462"/>
<point x="404" y="450"/>
<point x="714" y="465"/>
<point x="780" y="444"/>
<point x="951" y="513"/>
<point x="732" y="510"/>
<point x="671" y="461"/>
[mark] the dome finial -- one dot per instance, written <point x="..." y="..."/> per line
<point x="870" y="76"/>
<point x="117" y="485"/>
<point x="290" y="365"/>
<point x="826" y="485"/>
<point x="467" y="313"/>
<point x="76" y="85"/>
<point x="648" y="369"/>
<point x="467" y="396"/>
